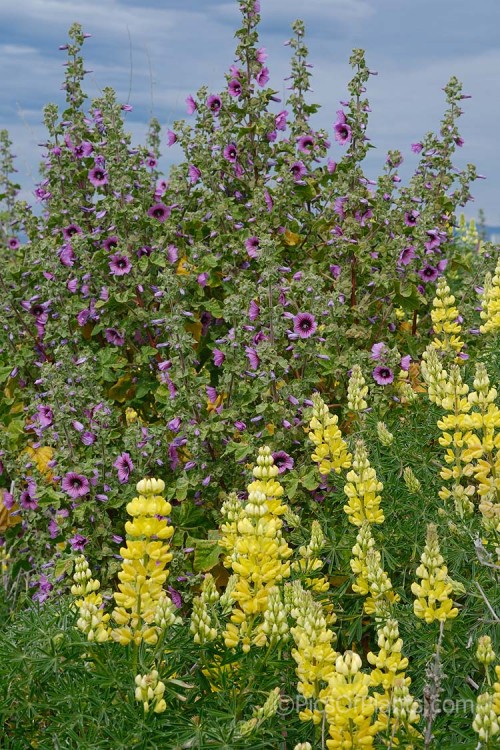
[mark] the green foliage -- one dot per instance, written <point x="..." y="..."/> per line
<point x="172" y="327"/>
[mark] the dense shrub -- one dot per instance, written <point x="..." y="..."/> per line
<point x="265" y="292"/>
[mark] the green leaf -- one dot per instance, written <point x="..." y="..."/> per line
<point x="63" y="567"/>
<point x="242" y="451"/>
<point x="206" y="554"/>
<point x="291" y="486"/>
<point x="310" y="480"/>
<point x="407" y="296"/>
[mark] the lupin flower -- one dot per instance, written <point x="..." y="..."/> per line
<point x="349" y="707"/>
<point x="433" y="592"/>
<point x="149" y="691"/>
<point x="362" y="489"/>
<point x="260" y="714"/>
<point x="404" y="707"/>
<point x="486" y="720"/>
<point x="434" y="375"/>
<point x="444" y="316"/>
<point x="453" y="438"/>
<point x="275" y="624"/>
<point x="143" y="570"/>
<point x="92" y="619"/>
<point x="412" y="483"/>
<point x="371" y="579"/>
<point x="482" y="455"/>
<point x="259" y="554"/>
<point x="389" y="663"/>
<point x="357" y="390"/>
<point x="313" y="652"/>
<point x="385" y="437"/>
<point x="309" y="562"/>
<point x="484" y="652"/>
<point x="491" y="303"/>
<point x="331" y="452"/>
<point x="201" y="618"/>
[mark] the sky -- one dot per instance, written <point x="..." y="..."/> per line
<point x="156" y="52"/>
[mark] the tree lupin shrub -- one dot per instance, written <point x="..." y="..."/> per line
<point x="155" y="325"/>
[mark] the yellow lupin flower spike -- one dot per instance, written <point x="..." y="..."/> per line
<point x="362" y="489"/>
<point x="143" y="570"/>
<point x="356" y="390"/>
<point x="349" y="706"/>
<point x="331" y="452"/>
<point x="91" y="617"/>
<point x="491" y="303"/>
<point x="313" y="652"/>
<point x="444" y="316"/>
<point x="433" y="592"/>
<point x="258" y="552"/>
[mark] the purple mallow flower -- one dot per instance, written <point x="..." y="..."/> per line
<point x="219" y="357"/>
<point x="191" y="105"/>
<point x="70" y="230"/>
<point x="98" y="176"/>
<point x="119" y="265"/>
<point x="383" y="375"/>
<point x="253" y="358"/>
<point x="78" y="542"/>
<point x="298" y="170"/>
<point x="194" y="173"/>
<point x="83" y="150"/>
<point x="159" y="211"/>
<point x="214" y="103"/>
<point x="343" y="132"/>
<point x="283" y="461"/>
<point x="124" y="466"/>
<point x="75" y="485"/>
<point x="378" y="350"/>
<point x="110" y="243"/>
<point x="230" y="152"/>
<point x="27" y="499"/>
<point x="406" y="255"/>
<point x="411" y="217"/>
<point x="253" y="310"/>
<point x="234" y="87"/>
<point x="113" y="336"/>
<point x="252" y="245"/>
<point x="280" y="120"/>
<point x="304" y="325"/>
<point x="405" y="362"/>
<point x="305" y="144"/>
<point x="262" y="77"/>
<point x="13" y="243"/>
<point x="428" y="273"/>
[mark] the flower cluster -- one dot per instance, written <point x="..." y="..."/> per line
<point x="350" y="709"/>
<point x="357" y="390"/>
<point x="432" y="594"/>
<point x="313" y="652"/>
<point x="331" y="452"/>
<point x="362" y="489"/>
<point x="143" y="571"/>
<point x="92" y="620"/>
<point x="445" y="320"/>
<point x="259" y="554"/>
<point x="149" y="691"/>
<point x="371" y="579"/>
<point x="490" y="313"/>
<point x="389" y="673"/>
<point x="201" y="617"/>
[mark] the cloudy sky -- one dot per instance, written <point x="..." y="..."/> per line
<point x="156" y="52"/>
